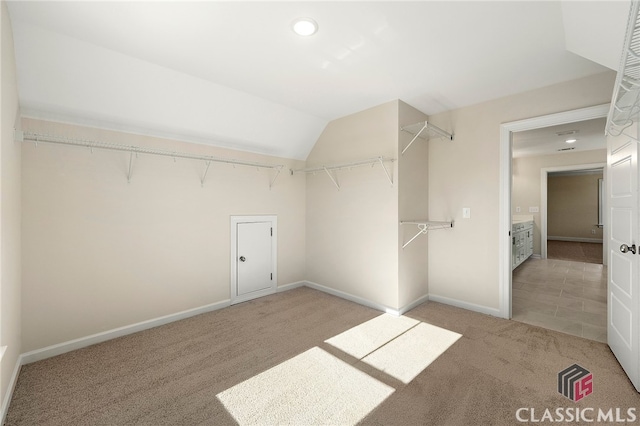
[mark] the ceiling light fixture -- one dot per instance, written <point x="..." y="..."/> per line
<point x="304" y="26"/>
<point x="571" y="140"/>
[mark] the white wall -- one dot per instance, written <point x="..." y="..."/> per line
<point x="10" y="258"/>
<point x="352" y="234"/>
<point x="525" y="189"/>
<point x="100" y="253"/>
<point x="413" y="204"/>
<point x="464" y="264"/>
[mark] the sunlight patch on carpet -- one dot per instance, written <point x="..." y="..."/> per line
<point x="405" y="357"/>
<point x="365" y="338"/>
<point x="312" y="388"/>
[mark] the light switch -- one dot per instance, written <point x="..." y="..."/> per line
<point x="518" y="209"/>
<point x="466" y="212"/>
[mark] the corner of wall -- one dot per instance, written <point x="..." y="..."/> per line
<point x="10" y="217"/>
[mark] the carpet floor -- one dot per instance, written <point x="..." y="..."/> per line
<point x="185" y="372"/>
<point x="575" y="251"/>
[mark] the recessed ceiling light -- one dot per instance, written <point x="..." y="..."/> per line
<point x="305" y="26"/>
<point x="571" y="140"/>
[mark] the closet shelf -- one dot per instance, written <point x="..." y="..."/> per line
<point x="424" y="226"/>
<point x="424" y="130"/>
<point x="132" y="149"/>
<point x="625" y="104"/>
<point x="368" y="162"/>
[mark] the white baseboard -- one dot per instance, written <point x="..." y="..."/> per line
<point x="352" y="298"/>
<point x="575" y="239"/>
<point x="12" y="385"/>
<point x="83" y="342"/>
<point x="465" y="305"/>
<point x="536" y="256"/>
<point x="290" y="286"/>
<point x="413" y="304"/>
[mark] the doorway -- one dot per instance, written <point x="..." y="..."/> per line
<point x="556" y="188"/>
<point x="505" y="210"/>
<point x="573" y="213"/>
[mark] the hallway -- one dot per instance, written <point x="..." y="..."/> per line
<point x="566" y="296"/>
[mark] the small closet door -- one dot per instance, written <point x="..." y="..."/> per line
<point x="253" y="257"/>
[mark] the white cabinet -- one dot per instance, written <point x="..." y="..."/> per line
<point x="521" y="242"/>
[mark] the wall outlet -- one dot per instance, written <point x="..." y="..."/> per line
<point x="593" y="231"/>
<point x="518" y="209"/>
<point x="466" y="212"/>
<point x="534" y="209"/>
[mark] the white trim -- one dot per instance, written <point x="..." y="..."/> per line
<point x="465" y="305"/>
<point x="352" y="298"/>
<point x="575" y="239"/>
<point x="83" y="342"/>
<point x="235" y="220"/>
<point x="12" y="386"/>
<point x="413" y="304"/>
<point x="504" y="199"/>
<point x="544" y="177"/>
<point x="290" y="286"/>
<point x="536" y="256"/>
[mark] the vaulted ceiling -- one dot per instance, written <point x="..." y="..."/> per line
<point x="234" y="74"/>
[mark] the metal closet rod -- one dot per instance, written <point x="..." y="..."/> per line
<point x="626" y="86"/>
<point x="37" y="138"/>
<point x="425" y="226"/>
<point x="369" y="162"/>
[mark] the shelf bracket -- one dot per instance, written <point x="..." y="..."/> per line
<point x="278" y="170"/>
<point x="335" y="182"/>
<point x="414" y="138"/>
<point x="386" y="172"/>
<point x="424" y="228"/>
<point x="130" y="167"/>
<point x="204" y="176"/>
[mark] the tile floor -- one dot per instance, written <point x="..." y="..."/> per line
<point x="562" y="295"/>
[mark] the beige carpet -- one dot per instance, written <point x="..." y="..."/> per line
<point x="579" y="252"/>
<point x="178" y="374"/>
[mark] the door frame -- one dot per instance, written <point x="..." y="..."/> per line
<point x="504" y="198"/>
<point x="544" y="176"/>
<point x="234" y="221"/>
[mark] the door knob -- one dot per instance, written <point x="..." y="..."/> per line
<point x="242" y="258"/>
<point x="625" y="248"/>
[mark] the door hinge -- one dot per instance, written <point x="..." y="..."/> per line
<point x="271" y="277"/>
<point x="272" y="232"/>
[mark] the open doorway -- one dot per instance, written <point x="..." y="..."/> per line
<point x="563" y="286"/>
<point x="536" y="209"/>
<point x="575" y="214"/>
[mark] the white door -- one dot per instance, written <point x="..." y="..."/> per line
<point x="623" y="295"/>
<point x="253" y="257"/>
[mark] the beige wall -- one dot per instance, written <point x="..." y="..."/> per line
<point x="464" y="264"/>
<point x="572" y="207"/>
<point x="413" y="204"/>
<point x="100" y="253"/>
<point x="10" y="165"/>
<point x="526" y="191"/>
<point x="352" y="234"/>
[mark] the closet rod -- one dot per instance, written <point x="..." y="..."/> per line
<point x="37" y="138"/>
<point x="424" y="226"/>
<point x="368" y="162"/>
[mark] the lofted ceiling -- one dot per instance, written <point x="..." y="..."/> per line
<point x="234" y="74"/>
